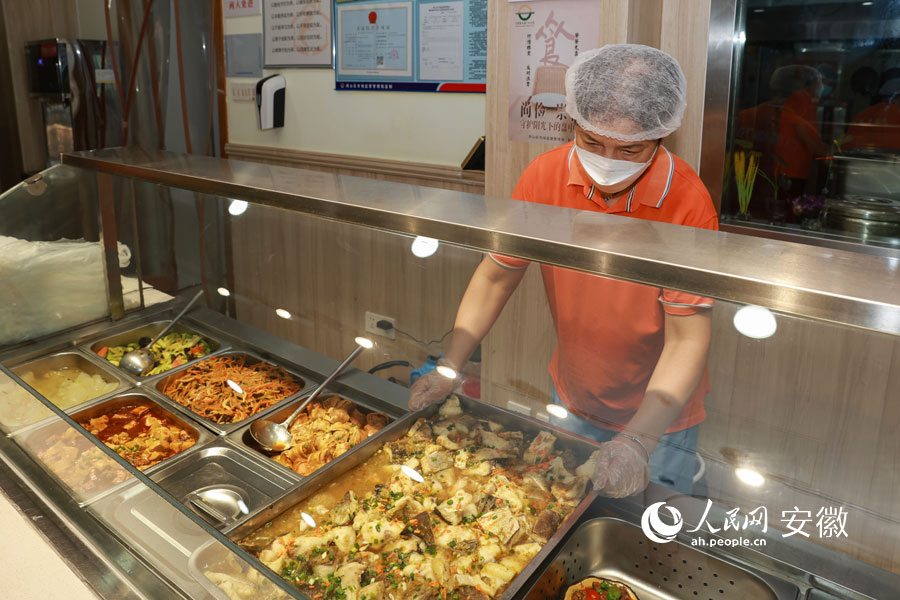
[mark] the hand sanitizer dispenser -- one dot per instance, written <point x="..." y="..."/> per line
<point x="270" y="102"/>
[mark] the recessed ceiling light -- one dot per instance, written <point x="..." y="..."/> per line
<point x="423" y="247"/>
<point x="282" y="313"/>
<point x="237" y="207"/>
<point x="557" y="411"/>
<point x="749" y="476"/>
<point x="755" y="322"/>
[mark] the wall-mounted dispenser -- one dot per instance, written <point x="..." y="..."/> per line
<point x="270" y="101"/>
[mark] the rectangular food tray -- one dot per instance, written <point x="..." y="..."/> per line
<point x="164" y="537"/>
<point x="241" y="436"/>
<point x="150" y="330"/>
<point x="63" y="360"/>
<point x="35" y="440"/>
<point x="306" y="385"/>
<point x="610" y="548"/>
<point x="222" y="466"/>
<point x="581" y="447"/>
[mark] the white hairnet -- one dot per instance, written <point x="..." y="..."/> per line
<point x="626" y="91"/>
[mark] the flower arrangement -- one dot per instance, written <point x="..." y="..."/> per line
<point x="809" y="205"/>
<point x="745" y="177"/>
<point x="809" y="208"/>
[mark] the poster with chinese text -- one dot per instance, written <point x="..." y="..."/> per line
<point x="411" y="45"/>
<point x="545" y="37"/>
<point x="297" y="33"/>
<point x="240" y="8"/>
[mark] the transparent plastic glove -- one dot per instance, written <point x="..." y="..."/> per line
<point x="433" y="387"/>
<point x="621" y="468"/>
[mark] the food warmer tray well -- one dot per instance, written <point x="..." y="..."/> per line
<point x="241" y="437"/>
<point x="581" y="447"/>
<point x="303" y="381"/>
<point x="614" y="549"/>
<point x="150" y="330"/>
<point x="67" y="360"/>
<point x="217" y="471"/>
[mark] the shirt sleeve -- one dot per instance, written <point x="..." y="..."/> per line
<point x="683" y="304"/>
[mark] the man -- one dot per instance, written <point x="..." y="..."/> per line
<point x="630" y="363"/>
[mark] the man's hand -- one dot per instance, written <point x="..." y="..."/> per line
<point x="622" y="468"/>
<point x="432" y="387"/>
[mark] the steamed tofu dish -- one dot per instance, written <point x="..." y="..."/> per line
<point x="455" y="508"/>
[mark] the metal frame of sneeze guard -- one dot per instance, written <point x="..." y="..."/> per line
<point x="820" y="283"/>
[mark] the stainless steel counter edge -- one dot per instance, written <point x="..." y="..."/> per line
<point x="821" y="283"/>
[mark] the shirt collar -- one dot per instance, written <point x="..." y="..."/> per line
<point x="651" y="190"/>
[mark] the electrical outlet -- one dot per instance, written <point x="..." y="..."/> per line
<point x="372" y="327"/>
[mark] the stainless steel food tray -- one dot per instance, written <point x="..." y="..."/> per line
<point x="306" y="385"/>
<point x="581" y="447"/>
<point x="164" y="537"/>
<point x="222" y="466"/>
<point x="615" y="549"/>
<point x="64" y="360"/>
<point x="149" y="330"/>
<point x="201" y="436"/>
<point x="242" y="437"/>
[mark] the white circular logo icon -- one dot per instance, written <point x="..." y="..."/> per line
<point x="655" y="529"/>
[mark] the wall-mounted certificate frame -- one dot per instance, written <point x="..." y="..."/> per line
<point x="297" y="33"/>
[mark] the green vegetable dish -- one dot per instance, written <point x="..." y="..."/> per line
<point x="173" y="350"/>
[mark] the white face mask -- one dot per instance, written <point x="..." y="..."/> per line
<point x="609" y="171"/>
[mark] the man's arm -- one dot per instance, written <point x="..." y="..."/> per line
<point x="677" y="373"/>
<point x="489" y="289"/>
<point x="622" y="466"/>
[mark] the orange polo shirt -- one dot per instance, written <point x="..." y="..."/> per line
<point x="610" y="332"/>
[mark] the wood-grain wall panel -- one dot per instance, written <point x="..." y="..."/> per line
<point x="685" y="36"/>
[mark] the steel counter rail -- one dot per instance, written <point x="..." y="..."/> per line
<point x="820" y="283"/>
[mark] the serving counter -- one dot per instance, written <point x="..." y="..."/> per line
<point x="796" y="482"/>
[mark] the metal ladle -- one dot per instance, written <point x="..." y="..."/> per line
<point x="276" y="437"/>
<point x="141" y="360"/>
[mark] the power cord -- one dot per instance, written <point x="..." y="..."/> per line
<point x="386" y="325"/>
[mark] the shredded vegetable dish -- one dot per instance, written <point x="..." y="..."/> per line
<point x="227" y="389"/>
<point x="143" y="435"/>
<point x="326" y="429"/>
<point x="454" y="509"/>
<point x="172" y="350"/>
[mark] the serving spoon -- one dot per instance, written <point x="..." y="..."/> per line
<point x="141" y="360"/>
<point x="276" y="437"/>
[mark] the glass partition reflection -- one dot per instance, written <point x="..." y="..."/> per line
<point x="736" y="407"/>
<point x="815" y="119"/>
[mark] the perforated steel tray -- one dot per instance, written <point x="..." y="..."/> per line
<point x="615" y="549"/>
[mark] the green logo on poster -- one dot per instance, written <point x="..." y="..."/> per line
<point x="525" y="13"/>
